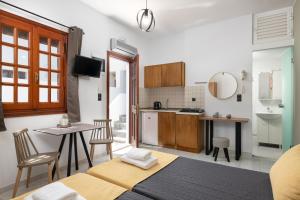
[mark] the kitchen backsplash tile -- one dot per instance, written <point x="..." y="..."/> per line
<point x="177" y="97"/>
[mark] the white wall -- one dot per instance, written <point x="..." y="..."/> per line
<point x="297" y="70"/>
<point x="223" y="46"/>
<point x="98" y="31"/>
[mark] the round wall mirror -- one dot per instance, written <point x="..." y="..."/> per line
<point x="222" y="85"/>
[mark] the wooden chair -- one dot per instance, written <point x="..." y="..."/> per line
<point x="28" y="157"/>
<point x="102" y="136"/>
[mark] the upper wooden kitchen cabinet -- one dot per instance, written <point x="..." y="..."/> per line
<point x="189" y="133"/>
<point x="166" y="129"/>
<point x="152" y="76"/>
<point x="173" y="74"/>
<point x="165" y="75"/>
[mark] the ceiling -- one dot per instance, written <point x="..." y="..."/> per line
<point x="178" y="15"/>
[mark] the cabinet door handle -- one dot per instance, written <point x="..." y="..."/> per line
<point x="36" y="78"/>
<point x="149" y="117"/>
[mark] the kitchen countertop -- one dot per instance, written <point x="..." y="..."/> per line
<point x="175" y="110"/>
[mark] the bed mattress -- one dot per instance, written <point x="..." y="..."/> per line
<point x="187" y="179"/>
<point x="132" y="196"/>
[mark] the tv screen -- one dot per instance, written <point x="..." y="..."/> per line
<point x="88" y="66"/>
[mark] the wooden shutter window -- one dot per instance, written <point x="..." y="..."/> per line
<point x="32" y="67"/>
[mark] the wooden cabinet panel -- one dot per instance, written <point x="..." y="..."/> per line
<point x="152" y="76"/>
<point x="166" y="129"/>
<point x="173" y="74"/>
<point x="189" y="133"/>
<point x="166" y="75"/>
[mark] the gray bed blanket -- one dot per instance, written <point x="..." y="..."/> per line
<point x="132" y="196"/>
<point x="187" y="179"/>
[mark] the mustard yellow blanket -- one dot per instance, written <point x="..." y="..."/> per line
<point x="90" y="188"/>
<point x="126" y="175"/>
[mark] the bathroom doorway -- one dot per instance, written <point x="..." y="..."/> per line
<point x="273" y="102"/>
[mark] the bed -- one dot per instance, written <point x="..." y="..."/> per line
<point x="127" y="176"/>
<point x="186" y="179"/>
<point x="92" y="188"/>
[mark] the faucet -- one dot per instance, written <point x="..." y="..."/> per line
<point x="167" y="103"/>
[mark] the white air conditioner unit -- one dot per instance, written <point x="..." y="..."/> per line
<point x="273" y="26"/>
<point x="122" y="48"/>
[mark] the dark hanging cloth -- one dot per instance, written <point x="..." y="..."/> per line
<point x="74" y="48"/>
<point x="2" y="124"/>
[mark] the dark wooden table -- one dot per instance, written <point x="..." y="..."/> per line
<point x="209" y="132"/>
<point x="72" y="132"/>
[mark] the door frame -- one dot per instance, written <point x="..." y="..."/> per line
<point x="130" y="60"/>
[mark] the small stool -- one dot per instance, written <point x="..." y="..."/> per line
<point x="221" y="143"/>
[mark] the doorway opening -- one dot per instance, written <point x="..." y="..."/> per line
<point x="273" y="102"/>
<point x="119" y="101"/>
<point x="122" y="99"/>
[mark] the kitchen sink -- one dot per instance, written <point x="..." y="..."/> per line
<point x="269" y="116"/>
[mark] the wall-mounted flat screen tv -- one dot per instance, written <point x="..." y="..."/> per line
<point x="88" y="66"/>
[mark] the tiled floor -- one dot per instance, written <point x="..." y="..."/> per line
<point x="246" y="162"/>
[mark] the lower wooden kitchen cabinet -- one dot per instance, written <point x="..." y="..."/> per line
<point x="189" y="133"/>
<point x="166" y="129"/>
<point x="183" y="132"/>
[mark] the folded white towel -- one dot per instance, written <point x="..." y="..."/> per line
<point x="146" y="164"/>
<point x="139" y="154"/>
<point x="55" y="191"/>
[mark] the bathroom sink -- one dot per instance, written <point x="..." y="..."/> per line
<point x="269" y="115"/>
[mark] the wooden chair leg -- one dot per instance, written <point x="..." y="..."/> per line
<point x="92" y="151"/>
<point x="20" y="169"/>
<point x="110" y="151"/>
<point x="28" y="177"/>
<point x="216" y="155"/>
<point x="57" y="169"/>
<point x="107" y="149"/>
<point x="49" y="173"/>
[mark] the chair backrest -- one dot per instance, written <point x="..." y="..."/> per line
<point x="24" y="145"/>
<point x="102" y="133"/>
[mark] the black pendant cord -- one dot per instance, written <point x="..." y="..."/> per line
<point x="32" y="13"/>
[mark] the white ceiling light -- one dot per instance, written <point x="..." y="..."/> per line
<point x="145" y="19"/>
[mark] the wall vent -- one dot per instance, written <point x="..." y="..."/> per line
<point x="273" y="26"/>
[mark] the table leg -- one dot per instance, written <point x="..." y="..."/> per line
<point x="70" y="155"/>
<point x="59" y="150"/>
<point x="75" y="151"/>
<point x="238" y="140"/>
<point x="211" y="126"/>
<point x="85" y="149"/>
<point x="206" y="137"/>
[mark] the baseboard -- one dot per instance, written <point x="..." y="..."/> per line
<point x="45" y="175"/>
